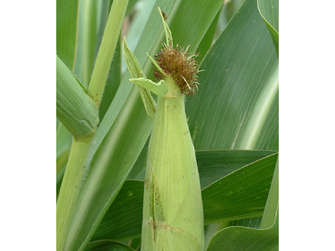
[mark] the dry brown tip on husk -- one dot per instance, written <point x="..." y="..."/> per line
<point x="181" y="66"/>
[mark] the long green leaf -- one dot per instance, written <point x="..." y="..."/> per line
<point x="131" y="6"/>
<point x="216" y="164"/>
<point x="107" y="245"/>
<point x="269" y="10"/>
<point x="241" y="194"/>
<point x="67" y="21"/>
<point x="207" y="40"/>
<point x="227" y="13"/>
<point x="126" y="127"/>
<point x="136" y="71"/>
<point x="124" y="217"/>
<point x="113" y="82"/>
<point x="239" y="88"/>
<point x="239" y="108"/>
<point x="242" y="238"/>
<point x="88" y="12"/>
<point x="64" y="139"/>
<point x="272" y="203"/>
<point x="106" y="50"/>
<point x="196" y="17"/>
<point x="213" y="164"/>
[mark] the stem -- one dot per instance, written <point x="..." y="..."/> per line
<point x="106" y="50"/>
<point x="71" y="185"/>
<point x="76" y="171"/>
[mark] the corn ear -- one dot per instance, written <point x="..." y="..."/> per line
<point x="75" y="109"/>
<point x="173" y="210"/>
<point x="172" y="207"/>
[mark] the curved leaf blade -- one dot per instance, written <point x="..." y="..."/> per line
<point x="243" y="238"/>
<point x="269" y="10"/>
<point x="241" y="194"/>
<point x="239" y="87"/>
<point x="216" y="164"/>
<point x="271" y="208"/>
<point x="107" y="245"/>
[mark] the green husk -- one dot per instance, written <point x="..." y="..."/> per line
<point x="173" y="211"/>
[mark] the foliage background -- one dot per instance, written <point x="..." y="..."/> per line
<point x="235" y="113"/>
<point x="306" y="124"/>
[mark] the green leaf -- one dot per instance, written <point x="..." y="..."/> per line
<point x="107" y="245"/>
<point x="124" y="218"/>
<point x="64" y="139"/>
<point x="87" y="37"/>
<point x="239" y="88"/>
<point x="153" y="61"/>
<point x="241" y="194"/>
<point x="168" y="34"/>
<point x="207" y="40"/>
<point x="254" y="222"/>
<point x="269" y="10"/>
<point x="138" y="170"/>
<point x="134" y="67"/>
<point x="216" y="164"/>
<point x="67" y="21"/>
<point x="243" y="238"/>
<point x="212" y="164"/>
<point x="113" y="82"/>
<point x="75" y="109"/>
<point x="131" y="6"/>
<point x="271" y="207"/>
<point x="227" y="13"/>
<point x="106" y="50"/>
<point x="138" y="25"/>
<point x="192" y="20"/>
<point x="136" y="72"/>
<point x="103" y="9"/>
<point x="159" y="88"/>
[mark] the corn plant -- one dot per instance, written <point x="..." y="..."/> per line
<point x="154" y="155"/>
